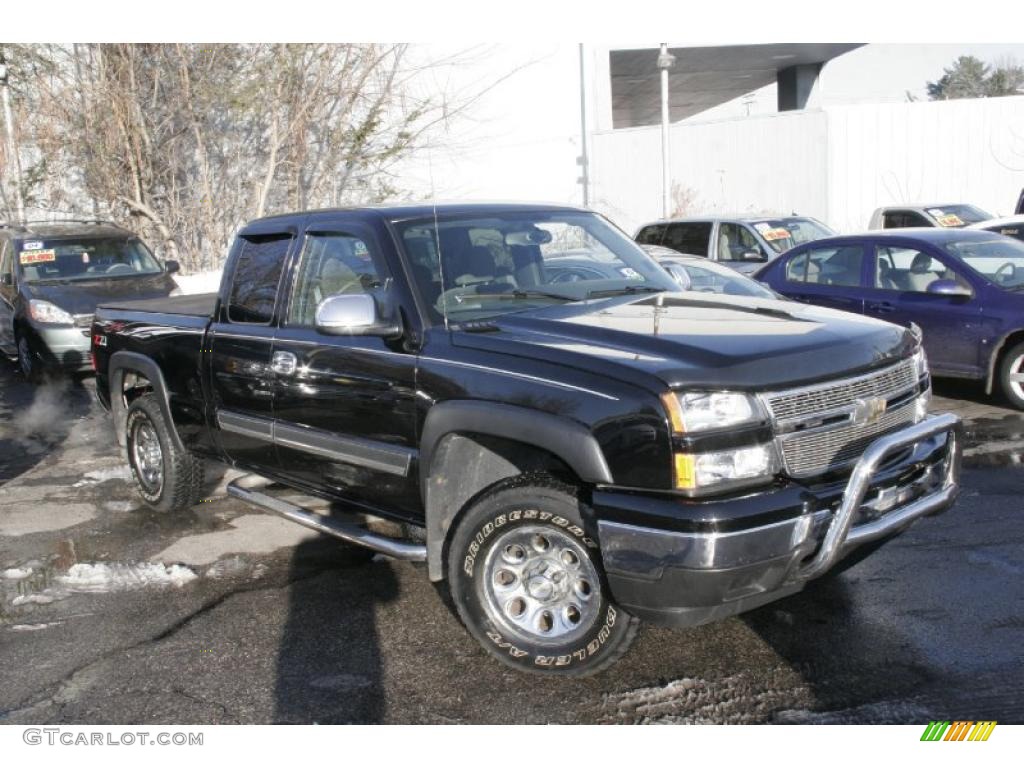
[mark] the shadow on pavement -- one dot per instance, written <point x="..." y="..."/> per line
<point x="329" y="667"/>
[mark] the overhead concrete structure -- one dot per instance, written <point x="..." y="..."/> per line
<point x="706" y="76"/>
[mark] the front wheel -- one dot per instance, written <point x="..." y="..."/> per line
<point x="31" y="367"/>
<point x="528" y="583"/>
<point x="168" y="479"/>
<point x="1011" y="376"/>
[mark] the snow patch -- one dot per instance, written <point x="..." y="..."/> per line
<point x="40" y="598"/>
<point x="114" y="577"/>
<point x="34" y="627"/>
<point x="102" y="475"/>
<point x="16" y="573"/>
<point x="201" y="282"/>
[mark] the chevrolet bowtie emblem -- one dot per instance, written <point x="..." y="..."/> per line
<point x="867" y="411"/>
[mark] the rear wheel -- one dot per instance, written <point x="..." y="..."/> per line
<point x="168" y="479"/>
<point x="1011" y="375"/>
<point x="528" y="583"/>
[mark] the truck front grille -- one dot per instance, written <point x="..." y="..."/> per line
<point x="825" y="427"/>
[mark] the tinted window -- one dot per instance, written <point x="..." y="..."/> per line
<point x="651" y="235"/>
<point x="902" y="219"/>
<point x="828" y="266"/>
<point x="332" y="264"/>
<point x="256" y="277"/>
<point x="5" y="258"/>
<point x="689" y="237"/>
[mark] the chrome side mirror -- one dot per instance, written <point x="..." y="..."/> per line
<point x="354" y="314"/>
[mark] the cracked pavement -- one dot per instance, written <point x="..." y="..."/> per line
<point x="264" y="621"/>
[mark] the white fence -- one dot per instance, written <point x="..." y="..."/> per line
<point x="837" y="164"/>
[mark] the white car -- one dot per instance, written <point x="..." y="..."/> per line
<point x="1011" y="226"/>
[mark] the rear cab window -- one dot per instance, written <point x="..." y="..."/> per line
<point x="652" y="234"/>
<point x="256" y="278"/>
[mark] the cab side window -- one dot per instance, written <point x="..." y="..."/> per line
<point x="689" y="237"/>
<point x="257" y="275"/>
<point x="651" y="235"/>
<point x="902" y="219"/>
<point x="332" y="264"/>
<point x="734" y="240"/>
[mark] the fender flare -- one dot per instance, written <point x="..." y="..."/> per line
<point x="133" y="362"/>
<point x="569" y="440"/>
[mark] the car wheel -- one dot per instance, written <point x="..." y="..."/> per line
<point x="168" y="479"/>
<point x="1011" y="376"/>
<point x="527" y="581"/>
<point x="31" y="368"/>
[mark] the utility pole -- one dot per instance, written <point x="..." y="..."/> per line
<point x="665" y="62"/>
<point x="583" y="160"/>
<point x="13" y="162"/>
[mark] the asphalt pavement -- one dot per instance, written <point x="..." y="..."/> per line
<point x="111" y="613"/>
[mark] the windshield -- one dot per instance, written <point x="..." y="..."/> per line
<point x="494" y="264"/>
<point x="956" y="216"/>
<point x="783" y="234"/>
<point x="1001" y="261"/>
<point x="85" y="259"/>
<point x="711" y="278"/>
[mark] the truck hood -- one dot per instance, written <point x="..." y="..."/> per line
<point x="81" y="297"/>
<point x="691" y="339"/>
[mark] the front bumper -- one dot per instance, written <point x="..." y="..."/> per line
<point x="64" y="347"/>
<point x="691" y="563"/>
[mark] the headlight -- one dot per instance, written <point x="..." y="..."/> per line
<point x="923" y="400"/>
<point x="45" y="312"/>
<point x="692" y="412"/>
<point x="720" y="469"/>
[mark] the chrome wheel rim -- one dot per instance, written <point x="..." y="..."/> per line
<point x="24" y="357"/>
<point x="147" y="456"/>
<point x="540" y="584"/>
<point x="1016" y="376"/>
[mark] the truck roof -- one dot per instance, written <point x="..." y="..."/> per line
<point x="421" y="209"/>
<point x="66" y="228"/>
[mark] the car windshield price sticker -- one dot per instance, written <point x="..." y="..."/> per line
<point x="778" y="233"/>
<point x="35" y="257"/>
<point x="950" y="220"/>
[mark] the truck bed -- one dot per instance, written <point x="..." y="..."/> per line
<point x="193" y="305"/>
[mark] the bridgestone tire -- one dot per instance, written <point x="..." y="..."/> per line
<point x="181" y="473"/>
<point x="526" y="541"/>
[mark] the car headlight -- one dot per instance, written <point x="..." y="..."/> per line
<point x="920" y="363"/>
<point x="922" y="376"/>
<point x="692" y="412"/>
<point x="45" y="312"/>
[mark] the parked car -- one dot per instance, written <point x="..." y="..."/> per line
<point x="52" y="276"/>
<point x="744" y="243"/>
<point x="1011" y="226"/>
<point x="951" y="215"/>
<point x="569" y="456"/>
<point x="695" y="273"/>
<point x="964" y="288"/>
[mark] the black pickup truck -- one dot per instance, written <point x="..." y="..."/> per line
<point x="570" y="454"/>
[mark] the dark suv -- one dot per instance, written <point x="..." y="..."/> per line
<point x="52" y="277"/>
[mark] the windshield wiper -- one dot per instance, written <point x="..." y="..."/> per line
<point x="519" y="293"/>
<point x="626" y="289"/>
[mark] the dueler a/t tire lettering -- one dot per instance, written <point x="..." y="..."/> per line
<point x="527" y="581"/>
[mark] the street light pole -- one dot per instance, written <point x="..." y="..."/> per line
<point x="12" y="153"/>
<point x="665" y="62"/>
<point x="584" y="161"/>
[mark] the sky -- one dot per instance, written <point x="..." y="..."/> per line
<point x="520" y="138"/>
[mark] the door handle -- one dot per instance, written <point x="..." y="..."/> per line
<point x="884" y="307"/>
<point x="284" y="363"/>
